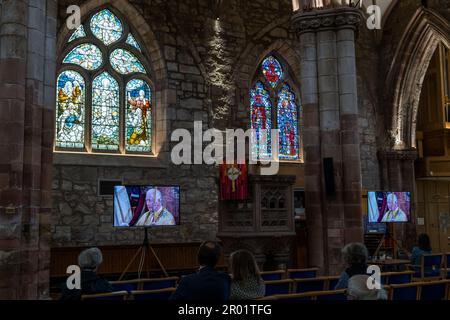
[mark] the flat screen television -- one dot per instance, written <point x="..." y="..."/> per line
<point x="146" y="206"/>
<point x="387" y="207"/>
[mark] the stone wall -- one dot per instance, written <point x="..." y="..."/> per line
<point x="206" y="67"/>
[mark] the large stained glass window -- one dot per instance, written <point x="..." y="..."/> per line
<point x="272" y="98"/>
<point x="116" y="115"/>
<point x="138" y="116"/>
<point x="70" y="110"/>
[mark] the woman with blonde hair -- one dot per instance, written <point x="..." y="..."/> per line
<point x="246" y="279"/>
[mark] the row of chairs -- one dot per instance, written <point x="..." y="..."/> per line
<point x="145" y="284"/>
<point x="161" y="294"/>
<point x="289" y="274"/>
<point x="432" y="267"/>
<point x="427" y="291"/>
<point x="287" y="286"/>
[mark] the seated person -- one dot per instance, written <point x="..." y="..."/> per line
<point x="89" y="261"/>
<point x="423" y="247"/>
<point x="358" y="289"/>
<point x="246" y="280"/>
<point x="207" y="284"/>
<point x="355" y="256"/>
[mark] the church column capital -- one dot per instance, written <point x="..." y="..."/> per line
<point x="328" y="19"/>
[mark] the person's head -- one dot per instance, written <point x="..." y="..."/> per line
<point x="90" y="259"/>
<point x="209" y="254"/>
<point x="243" y="265"/>
<point x="359" y="290"/>
<point x="355" y="253"/>
<point x="392" y="202"/>
<point x="153" y="199"/>
<point x="141" y="94"/>
<point x="423" y="241"/>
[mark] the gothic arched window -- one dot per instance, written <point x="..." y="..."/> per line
<point x="274" y="105"/>
<point x="104" y="93"/>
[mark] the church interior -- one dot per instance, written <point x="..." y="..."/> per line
<point x="117" y="118"/>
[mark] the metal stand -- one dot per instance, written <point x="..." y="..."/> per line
<point x="389" y="236"/>
<point x="142" y="251"/>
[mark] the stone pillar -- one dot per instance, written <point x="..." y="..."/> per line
<point x="329" y="95"/>
<point x="27" y="99"/>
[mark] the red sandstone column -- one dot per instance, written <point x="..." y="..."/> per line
<point x="311" y="141"/>
<point x="27" y="81"/>
<point x="331" y="131"/>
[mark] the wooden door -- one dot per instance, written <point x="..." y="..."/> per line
<point x="433" y="205"/>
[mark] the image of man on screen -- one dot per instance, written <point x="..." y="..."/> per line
<point x="394" y="213"/>
<point x="156" y="215"/>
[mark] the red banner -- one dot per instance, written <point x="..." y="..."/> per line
<point x="233" y="182"/>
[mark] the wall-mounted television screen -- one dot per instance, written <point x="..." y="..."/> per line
<point x="389" y="206"/>
<point x="146" y="206"/>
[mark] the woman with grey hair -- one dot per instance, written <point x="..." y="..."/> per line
<point x="89" y="260"/>
<point x="358" y="289"/>
<point x="355" y="256"/>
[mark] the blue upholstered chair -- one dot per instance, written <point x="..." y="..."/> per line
<point x="278" y="287"/>
<point x="302" y="273"/>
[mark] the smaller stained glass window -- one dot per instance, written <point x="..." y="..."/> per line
<point x="287" y="116"/>
<point x="78" y="33"/>
<point x="261" y="121"/>
<point x="272" y="71"/>
<point x="132" y="42"/>
<point x="106" y="27"/>
<point x="85" y="55"/>
<point x="138" y="117"/>
<point x="125" y="62"/>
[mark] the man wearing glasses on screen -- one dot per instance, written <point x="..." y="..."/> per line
<point x="394" y="213"/>
<point x="156" y="215"/>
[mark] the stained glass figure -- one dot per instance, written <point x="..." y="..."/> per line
<point x="125" y="62"/>
<point x="261" y="121"/>
<point x="272" y="70"/>
<point x="106" y="27"/>
<point x="132" y="42"/>
<point x="78" y="33"/>
<point x="138" y="117"/>
<point x="70" y="112"/>
<point x="85" y="55"/>
<point x="105" y="113"/>
<point x="287" y="117"/>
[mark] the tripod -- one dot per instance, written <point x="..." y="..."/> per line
<point x="388" y="235"/>
<point x="142" y="251"/>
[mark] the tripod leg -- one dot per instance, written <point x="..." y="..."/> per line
<point x="379" y="245"/>
<point x="159" y="262"/>
<point x="130" y="263"/>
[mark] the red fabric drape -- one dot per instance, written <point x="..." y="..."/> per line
<point x="236" y="189"/>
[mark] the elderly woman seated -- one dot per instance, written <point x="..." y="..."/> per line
<point x="355" y="256"/>
<point x="358" y="289"/>
<point x="88" y="261"/>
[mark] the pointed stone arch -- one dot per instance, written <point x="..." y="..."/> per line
<point x="405" y="77"/>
